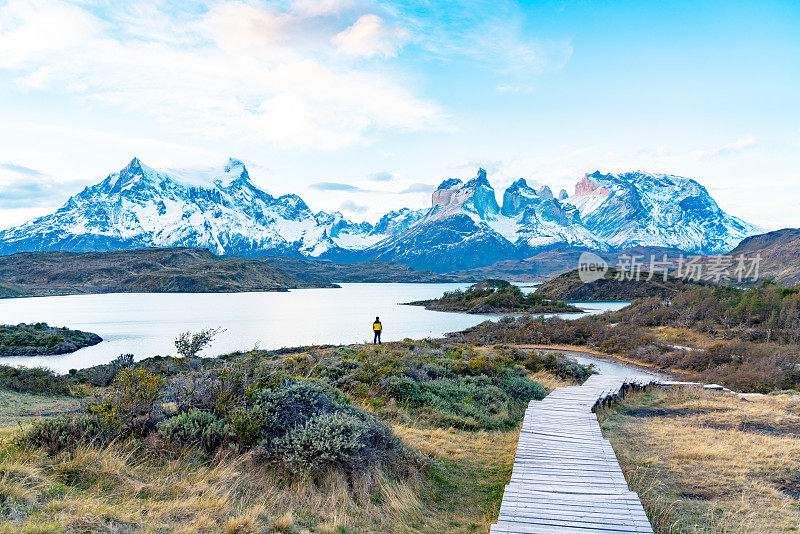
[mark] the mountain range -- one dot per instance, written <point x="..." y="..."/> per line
<point x="465" y="227"/>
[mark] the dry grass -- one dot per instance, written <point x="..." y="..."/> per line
<point x="124" y="488"/>
<point x="23" y="407"/>
<point x="548" y="380"/>
<point x="711" y="462"/>
<point x="684" y="336"/>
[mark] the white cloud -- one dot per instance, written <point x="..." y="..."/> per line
<point x="252" y="73"/>
<point x="731" y="148"/>
<point x="370" y="36"/>
<point x="318" y="8"/>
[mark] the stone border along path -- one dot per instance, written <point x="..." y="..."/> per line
<point x="566" y="478"/>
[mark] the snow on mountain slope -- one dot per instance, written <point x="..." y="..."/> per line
<point x="465" y="227"/>
<point x="638" y="208"/>
<point x="219" y="209"/>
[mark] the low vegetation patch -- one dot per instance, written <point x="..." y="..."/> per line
<point x="710" y="462"/>
<point x="495" y="296"/>
<point x="749" y="336"/>
<point x="34" y="380"/>
<point x="39" y="338"/>
<point x="413" y="436"/>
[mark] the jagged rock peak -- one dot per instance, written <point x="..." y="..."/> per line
<point x="450" y="183"/>
<point x="587" y="186"/>
<point x="480" y="178"/>
<point x="562" y="195"/>
<point x="545" y="192"/>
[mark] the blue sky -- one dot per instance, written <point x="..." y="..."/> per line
<point x="390" y="98"/>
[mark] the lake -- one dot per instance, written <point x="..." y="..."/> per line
<point x="146" y="324"/>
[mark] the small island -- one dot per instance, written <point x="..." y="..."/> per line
<point x="495" y="296"/>
<point x="38" y="338"/>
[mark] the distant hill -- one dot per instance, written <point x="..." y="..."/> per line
<point x="159" y="270"/>
<point x="780" y="255"/>
<point x="570" y="287"/>
<point x="307" y="270"/>
<point x="546" y="264"/>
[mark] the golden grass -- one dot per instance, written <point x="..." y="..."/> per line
<point x="711" y="462"/>
<point x="126" y="488"/>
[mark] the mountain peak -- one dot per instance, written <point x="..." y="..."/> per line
<point x="450" y="183"/>
<point x="480" y="179"/>
<point x="134" y="168"/>
<point x="587" y="185"/>
<point x="134" y="172"/>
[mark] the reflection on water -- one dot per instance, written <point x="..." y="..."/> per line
<point x="145" y="324"/>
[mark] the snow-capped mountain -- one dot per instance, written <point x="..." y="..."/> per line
<point x="220" y="209"/>
<point x="638" y="208"/>
<point x="466" y="227"/>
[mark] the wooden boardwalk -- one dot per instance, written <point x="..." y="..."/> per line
<point x="566" y="478"/>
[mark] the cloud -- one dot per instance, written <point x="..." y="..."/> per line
<point x="370" y="36"/>
<point x="658" y="152"/>
<point x="318" y="8"/>
<point x="491" y="31"/>
<point x="737" y="146"/>
<point x="349" y="205"/>
<point x="20" y="169"/>
<point x="30" y="193"/>
<point x="233" y="71"/>
<point x="418" y="188"/>
<point x="335" y="186"/>
<point x="381" y="176"/>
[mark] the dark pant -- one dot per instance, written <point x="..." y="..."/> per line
<point x="377" y="338"/>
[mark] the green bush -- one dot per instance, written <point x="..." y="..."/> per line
<point x="559" y="365"/>
<point x="194" y="428"/>
<point x="61" y="433"/>
<point x="36" y="380"/>
<point x="468" y="402"/>
<point x="129" y="405"/>
<point x="348" y="439"/>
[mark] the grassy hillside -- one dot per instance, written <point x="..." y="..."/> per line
<point x="569" y="286"/>
<point x="142" y="270"/>
<point x="367" y="271"/>
<point x="39" y="338"/>
<point x="780" y="255"/>
<point x="407" y="437"/>
<point x="495" y="296"/>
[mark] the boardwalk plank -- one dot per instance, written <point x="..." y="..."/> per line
<point x="566" y="477"/>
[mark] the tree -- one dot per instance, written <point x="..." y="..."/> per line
<point x="188" y="344"/>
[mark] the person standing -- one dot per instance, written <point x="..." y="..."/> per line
<point x="377" y="328"/>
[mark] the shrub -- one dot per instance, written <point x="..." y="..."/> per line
<point x="194" y="428"/>
<point x="128" y="406"/>
<point x="188" y="344"/>
<point x="36" y="380"/>
<point x="61" y="433"/>
<point x="559" y="365"/>
<point x="349" y="440"/>
<point x="104" y="375"/>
